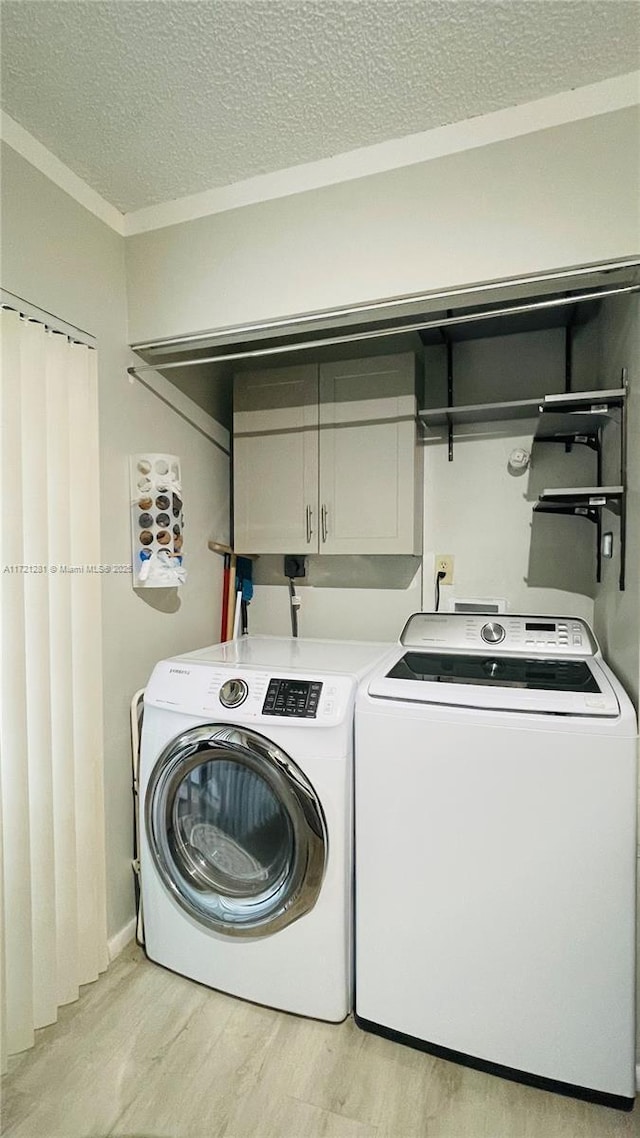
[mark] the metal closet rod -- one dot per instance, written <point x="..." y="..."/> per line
<point x="376" y="334"/>
<point x="446" y="296"/>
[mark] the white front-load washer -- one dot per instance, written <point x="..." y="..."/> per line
<point x="495" y="852"/>
<point x="246" y="835"/>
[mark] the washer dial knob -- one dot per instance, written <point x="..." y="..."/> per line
<point x="233" y="693"/>
<point x="492" y="633"/>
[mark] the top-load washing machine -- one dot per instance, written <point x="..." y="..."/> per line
<point x="246" y="828"/>
<point x="496" y="852"/>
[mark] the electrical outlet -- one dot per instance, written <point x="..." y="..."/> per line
<point x="444" y="564"/>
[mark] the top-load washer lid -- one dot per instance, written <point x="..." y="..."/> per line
<point x="526" y="664"/>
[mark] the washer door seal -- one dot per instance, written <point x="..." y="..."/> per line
<point x="236" y="831"/>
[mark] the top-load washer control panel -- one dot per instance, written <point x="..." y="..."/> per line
<point x="533" y="635"/>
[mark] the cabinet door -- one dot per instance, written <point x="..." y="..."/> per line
<point x="275" y="460"/>
<point x="368" y="456"/>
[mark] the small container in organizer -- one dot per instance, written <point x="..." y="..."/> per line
<point x="156" y="521"/>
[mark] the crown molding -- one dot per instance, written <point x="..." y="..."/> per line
<point x="34" y="152"/>
<point x="555" y="110"/>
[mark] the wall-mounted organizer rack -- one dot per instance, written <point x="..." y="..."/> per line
<point x="156" y="521"/>
<point x="583" y="418"/>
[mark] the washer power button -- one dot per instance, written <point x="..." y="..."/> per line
<point x="492" y="633"/>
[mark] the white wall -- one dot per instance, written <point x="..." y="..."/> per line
<point x="479" y="511"/>
<point x="61" y="258"/>
<point x="562" y="196"/>
<point x="343" y="598"/>
<point x="617" y="614"/>
<point x="482" y="514"/>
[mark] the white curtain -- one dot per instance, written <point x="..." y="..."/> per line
<point x="52" y="880"/>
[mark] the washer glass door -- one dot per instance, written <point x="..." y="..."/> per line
<point x="236" y="830"/>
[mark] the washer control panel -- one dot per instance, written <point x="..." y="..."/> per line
<point x="533" y="635"/>
<point x="297" y="698"/>
<point x="251" y="695"/>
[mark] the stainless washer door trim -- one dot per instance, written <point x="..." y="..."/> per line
<point x="295" y="892"/>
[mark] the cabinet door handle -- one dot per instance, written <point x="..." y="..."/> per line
<point x="324" y="513"/>
<point x="309" y="516"/>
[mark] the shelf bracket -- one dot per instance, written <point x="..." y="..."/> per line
<point x="568" y="352"/>
<point x="568" y="363"/>
<point x="590" y="441"/>
<point x="623" y="482"/>
<point x="449" y="345"/>
<point x="591" y="513"/>
<point x="598" y="440"/>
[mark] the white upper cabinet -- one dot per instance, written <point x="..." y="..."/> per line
<point x="325" y="458"/>
<point x="275" y="460"/>
<point x="368" y="456"/>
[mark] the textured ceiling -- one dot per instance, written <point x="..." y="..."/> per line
<point x="155" y="99"/>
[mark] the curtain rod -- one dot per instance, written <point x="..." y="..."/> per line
<point x="53" y="323"/>
<point x="515" y="310"/>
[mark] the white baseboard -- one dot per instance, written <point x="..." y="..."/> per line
<point x="116" y="943"/>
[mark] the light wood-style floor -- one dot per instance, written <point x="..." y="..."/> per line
<point x="146" y="1054"/>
